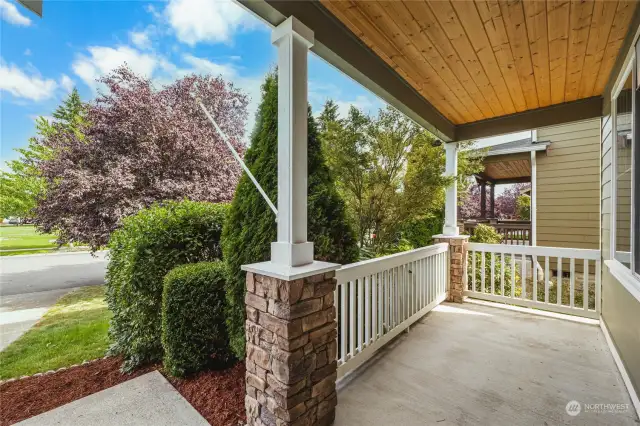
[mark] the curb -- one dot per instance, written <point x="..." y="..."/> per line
<point x="55" y="254"/>
<point x="15" y="379"/>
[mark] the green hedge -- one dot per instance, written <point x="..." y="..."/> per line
<point x="194" y="334"/>
<point x="420" y="232"/>
<point x="142" y="251"/>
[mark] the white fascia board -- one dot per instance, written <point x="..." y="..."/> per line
<point x="539" y="146"/>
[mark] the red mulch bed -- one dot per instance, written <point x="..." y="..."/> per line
<point x="217" y="395"/>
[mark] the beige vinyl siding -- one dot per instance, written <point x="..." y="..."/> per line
<point x="568" y="186"/>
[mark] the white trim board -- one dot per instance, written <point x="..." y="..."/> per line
<point x="625" y="277"/>
<point x="623" y="372"/>
<point x="540" y="146"/>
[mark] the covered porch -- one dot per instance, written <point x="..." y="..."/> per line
<point x="476" y="364"/>
<point x="463" y="71"/>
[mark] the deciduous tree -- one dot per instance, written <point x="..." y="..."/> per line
<point x="390" y="173"/>
<point x="139" y="145"/>
<point x="22" y="183"/>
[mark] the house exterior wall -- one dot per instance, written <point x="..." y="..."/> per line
<point x="620" y="309"/>
<point x="568" y="186"/>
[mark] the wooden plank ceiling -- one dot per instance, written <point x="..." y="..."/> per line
<point x="475" y="60"/>
<point x="507" y="169"/>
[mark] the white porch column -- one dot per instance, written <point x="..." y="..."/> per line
<point x="451" y="202"/>
<point x="293" y="40"/>
<point x="291" y="331"/>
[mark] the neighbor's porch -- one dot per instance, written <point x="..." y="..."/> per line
<point x="474" y="364"/>
<point x="505" y="164"/>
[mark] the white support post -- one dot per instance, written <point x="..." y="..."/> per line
<point x="451" y="203"/>
<point x="534" y="194"/>
<point x="293" y="40"/>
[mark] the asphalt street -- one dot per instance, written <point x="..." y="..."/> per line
<point x="30" y="284"/>
<point x="44" y="272"/>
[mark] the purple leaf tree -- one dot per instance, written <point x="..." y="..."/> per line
<point x="140" y="146"/>
<point x="505" y="203"/>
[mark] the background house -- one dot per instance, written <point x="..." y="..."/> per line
<point x="562" y="164"/>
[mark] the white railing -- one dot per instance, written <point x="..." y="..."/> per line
<point x="379" y="298"/>
<point x="555" y="279"/>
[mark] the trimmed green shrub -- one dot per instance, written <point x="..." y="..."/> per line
<point x="194" y="334"/>
<point x="523" y="207"/>
<point x="485" y="234"/>
<point x="146" y="247"/>
<point x="251" y="226"/>
<point x="420" y="232"/>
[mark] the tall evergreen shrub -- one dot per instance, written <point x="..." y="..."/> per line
<point x="251" y="226"/>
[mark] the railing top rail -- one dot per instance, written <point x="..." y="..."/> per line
<point x="372" y="266"/>
<point x="511" y="225"/>
<point x="537" y="251"/>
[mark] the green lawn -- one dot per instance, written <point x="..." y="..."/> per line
<point x="73" y="330"/>
<point x="24" y="237"/>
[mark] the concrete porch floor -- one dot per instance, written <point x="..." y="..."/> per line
<point x="477" y="365"/>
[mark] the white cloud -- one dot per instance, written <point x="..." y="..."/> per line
<point x="102" y="60"/>
<point x="27" y="52"/>
<point x="21" y="85"/>
<point x="320" y="92"/>
<point x="212" y="21"/>
<point x="141" y="39"/>
<point x="11" y="14"/>
<point x="363" y="103"/>
<point x="66" y="83"/>
<point x="205" y="66"/>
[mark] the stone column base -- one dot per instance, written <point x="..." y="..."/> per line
<point x="291" y="362"/>
<point x="457" y="264"/>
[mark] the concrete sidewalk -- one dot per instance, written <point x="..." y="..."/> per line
<point x="20" y="312"/>
<point x="146" y="400"/>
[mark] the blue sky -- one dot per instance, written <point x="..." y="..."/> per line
<point x="78" y="41"/>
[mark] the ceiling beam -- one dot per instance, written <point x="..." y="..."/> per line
<point x="339" y="47"/>
<point x="528" y="120"/>
<point x="481" y="177"/>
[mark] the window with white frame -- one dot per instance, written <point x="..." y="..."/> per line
<point x="626" y="219"/>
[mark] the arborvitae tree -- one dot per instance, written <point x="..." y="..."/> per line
<point x="251" y="226"/>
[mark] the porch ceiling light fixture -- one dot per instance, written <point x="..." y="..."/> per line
<point x="237" y="157"/>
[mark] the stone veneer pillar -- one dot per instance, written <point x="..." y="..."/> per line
<point x="457" y="264"/>
<point x="291" y="333"/>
